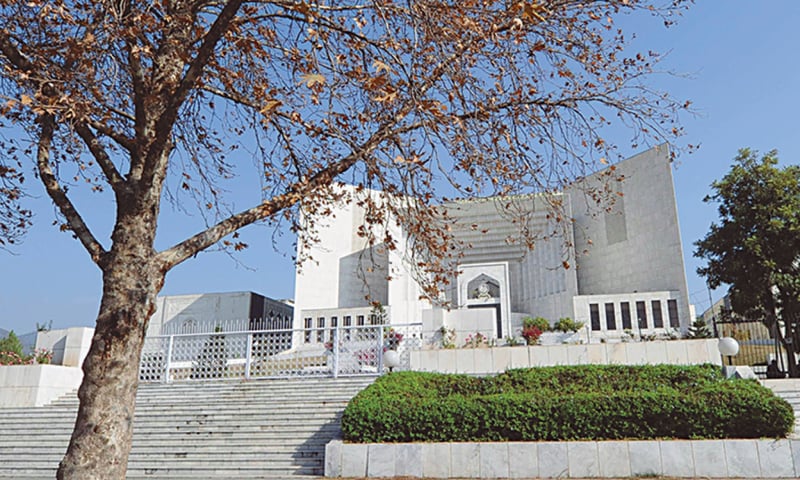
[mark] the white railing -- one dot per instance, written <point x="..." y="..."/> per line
<point x="332" y="351"/>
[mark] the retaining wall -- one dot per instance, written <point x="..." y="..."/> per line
<point x="36" y="385"/>
<point x="500" y="359"/>
<point x="674" y="458"/>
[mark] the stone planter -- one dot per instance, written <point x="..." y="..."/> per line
<point x="559" y="338"/>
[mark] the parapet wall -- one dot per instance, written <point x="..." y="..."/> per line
<point x="500" y="359"/>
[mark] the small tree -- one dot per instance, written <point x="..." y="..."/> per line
<point x="699" y="329"/>
<point x="11" y="350"/>
<point x="11" y="343"/>
<point x="755" y="247"/>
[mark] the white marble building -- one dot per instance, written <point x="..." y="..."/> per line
<point x="625" y="272"/>
<point x="207" y="312"/>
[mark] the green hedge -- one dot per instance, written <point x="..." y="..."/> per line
<point x="565" y="403"/>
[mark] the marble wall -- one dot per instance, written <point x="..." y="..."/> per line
<point x="485" y="361"/>
<point x="605" y="459"/>
<point x="36" y="385"/>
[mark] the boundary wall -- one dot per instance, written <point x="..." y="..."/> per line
<point x="607" y="459"/>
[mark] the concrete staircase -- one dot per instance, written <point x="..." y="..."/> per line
<point x="789" y="390"/>
<point x="258" y="429"/>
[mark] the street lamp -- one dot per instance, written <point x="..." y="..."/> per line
<point x="391" y="359"/>
<point x="728" y="347"/>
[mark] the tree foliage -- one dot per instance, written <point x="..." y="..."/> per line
<point x="14" y="219"/>
<point x="11" y="344"/>
<point x="168" y="99"/>
<point x="755" y="247"/>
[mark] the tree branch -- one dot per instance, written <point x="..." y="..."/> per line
<point x="294" y="193"/>
<point x="167" y="119"/>
<point x="123" y="141"/>
<point x="109" y="169"/>
<point x="59" y="196"/>
<point x="139" y="90"/>
<point x="12" y="53"/>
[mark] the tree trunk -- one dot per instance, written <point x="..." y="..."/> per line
<point x="101" y="441"/>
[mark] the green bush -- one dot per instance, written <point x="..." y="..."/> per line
<point x="541" y="323"/>
<point x="565" y="403"/>
<point x="567" y="324"/>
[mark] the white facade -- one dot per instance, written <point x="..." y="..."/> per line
<point x="622" y="263"/>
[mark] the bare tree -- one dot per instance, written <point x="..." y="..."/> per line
<point x="161" y="99"/>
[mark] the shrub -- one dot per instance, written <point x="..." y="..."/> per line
<point x="42" y="356"/>
<point x="541" y="323"/>
<point x="11" y="358"/>
<point x="531" y="334"/>
<point x="567" y="324"/>
<point x="566" y="403"/>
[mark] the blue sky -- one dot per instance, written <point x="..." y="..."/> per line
<point x="739" y="58"/>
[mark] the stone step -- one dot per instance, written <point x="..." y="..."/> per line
<point x="242" y="401"/>
<point x="291" y="389"/>
<point x="299" y="448"/>
<point x="205" y="424"/>
<point x="179" y="458"/>
<point x="205" y="409"/>
<point x="50" y="473"/>
<point x="160" y="446"/>
<point x="248" y="394"/>
<point x="176" y="407"/>
<point x="165" y="436"/>
<point x="174" y="472"/>
<point x="206" y="419"/>
<point x="213" y="430"/>
<point x="319" y="415"/>
<point x="290" y="386"/>
<point x="150" y="435"/>
<point x="253" y="431"/>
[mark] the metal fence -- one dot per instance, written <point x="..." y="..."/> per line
<point x="179" y="327"/>
<point x="278" y="353"/>
<point x="758" y="344"/>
